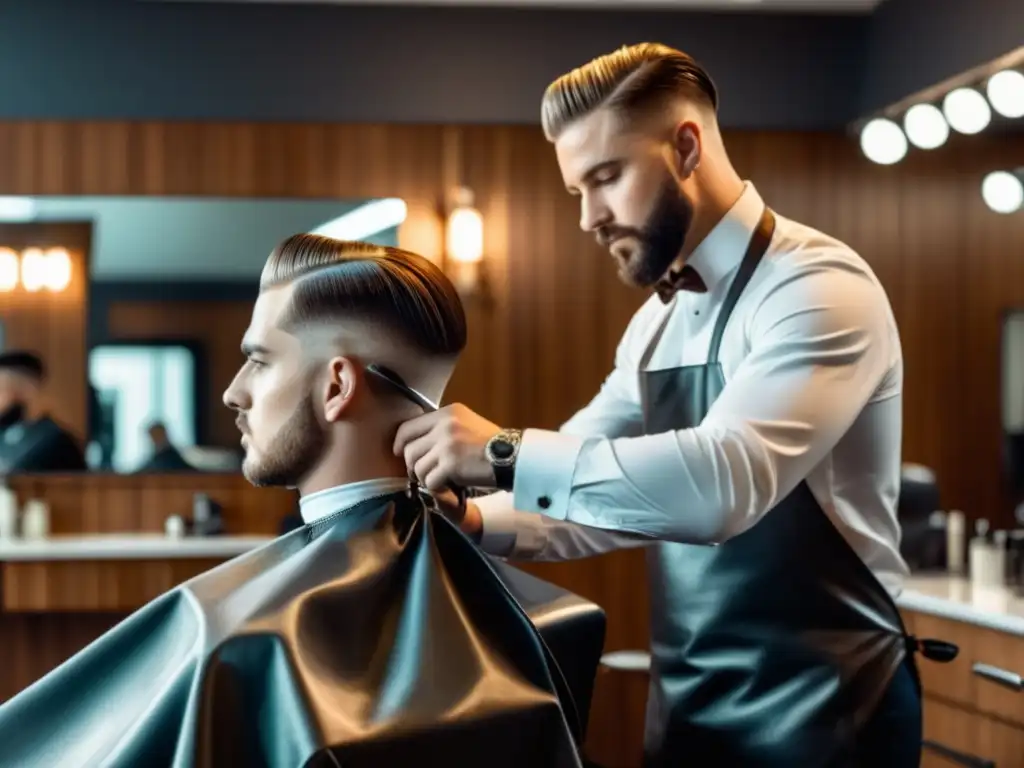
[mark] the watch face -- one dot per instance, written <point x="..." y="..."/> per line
<point x="502" y="449"/>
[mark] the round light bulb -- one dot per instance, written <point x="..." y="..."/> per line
<point x="883" y="142"/>
<point x="58" y="269"/>
<point x="1003" y="192"/>
<point x="9" y="269"/>
<point x="33" y="269"/>
<point x="966" y="111"/>
<point x="925" y="126"/>
<point x="1006" y="93"/>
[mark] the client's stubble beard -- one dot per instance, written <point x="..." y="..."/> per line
<point x="660" y="239"/>
<point x="292" y="453"/>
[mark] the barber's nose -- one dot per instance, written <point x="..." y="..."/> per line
<point x="593" y="213"/>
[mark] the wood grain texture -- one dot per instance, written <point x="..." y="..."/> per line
<point x="544" y="337"/>
<point x="53" y="325"/>
<point x="108" y="503"/>
<point x="36" y="643"/>
<point x="104" y="586"/>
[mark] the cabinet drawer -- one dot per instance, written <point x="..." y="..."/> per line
<point x="953" y="681"/>
<point x="997" y="668"/>
<point x="964" y="739"/>
<point x="988" y="673"/>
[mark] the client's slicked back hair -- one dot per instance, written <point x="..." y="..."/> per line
<point x="632" y="80"/>
<point x="399" y="290"/>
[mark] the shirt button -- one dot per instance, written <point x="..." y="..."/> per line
<point x="544" y="502"/>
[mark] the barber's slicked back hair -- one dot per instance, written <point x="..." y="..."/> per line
<point x="631" y="80"/>
<point x="338" y="280"/>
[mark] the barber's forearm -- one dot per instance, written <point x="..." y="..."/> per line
<point x="516" y="535"/>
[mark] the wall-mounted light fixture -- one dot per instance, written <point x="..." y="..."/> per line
<point x="1003" y="191"/>
<point x="35" y="269"/>
<point x="966" y="104"/>
<point x="464" y="242"/>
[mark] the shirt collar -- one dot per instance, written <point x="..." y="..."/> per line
<point x="723" y="249"/>
<point x="330" y="500"/>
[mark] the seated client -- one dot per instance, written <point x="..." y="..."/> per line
<point x="376" y="634"/>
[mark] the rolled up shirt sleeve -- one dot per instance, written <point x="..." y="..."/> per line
<point x="820" y="346"/>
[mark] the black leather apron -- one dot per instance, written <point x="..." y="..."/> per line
<point x="775" y="647"/>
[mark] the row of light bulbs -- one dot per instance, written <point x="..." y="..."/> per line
<point x="35" y="269"/>
<point x="964" y="110"/>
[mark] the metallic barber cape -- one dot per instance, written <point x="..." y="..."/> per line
<point x="379" y="636"/>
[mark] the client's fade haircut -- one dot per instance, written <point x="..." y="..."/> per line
<point x="396" y="289"/>
<point x="634" y="80"/>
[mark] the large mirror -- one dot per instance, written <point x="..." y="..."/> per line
<point x="1013" y="408"/>
<point x="171" y="282"/>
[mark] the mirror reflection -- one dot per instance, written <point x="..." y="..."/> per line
<point x="1013" y="408"/>
<point x="171" y="283"/>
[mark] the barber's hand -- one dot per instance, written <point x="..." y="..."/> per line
<point x="467" y="518"/>
<point x="447" y="447"/>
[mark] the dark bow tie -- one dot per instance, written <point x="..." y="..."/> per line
<point x="685" y="279"/>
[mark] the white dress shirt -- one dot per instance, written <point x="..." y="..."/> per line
<point x="319" y="505"/>
<point x="814" y="377"/>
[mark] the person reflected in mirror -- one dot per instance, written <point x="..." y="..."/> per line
<point x="30" y="439"/>
<point x="165" y="457"/>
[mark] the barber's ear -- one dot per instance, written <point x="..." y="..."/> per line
<point x="343" y="378"/>
<point x="687" y="143"/>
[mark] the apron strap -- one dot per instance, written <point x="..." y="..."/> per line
<point x="756" y="250"/>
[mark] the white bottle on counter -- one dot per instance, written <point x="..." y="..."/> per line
<point x="1000" y="543"/>
<point x="35" y="520"/>
<point x="8" y="512"/>
<point x="956" y="526"/>
<point x="983" y="559"/>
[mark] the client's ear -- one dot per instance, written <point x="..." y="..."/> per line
<point x="343" y="377"/>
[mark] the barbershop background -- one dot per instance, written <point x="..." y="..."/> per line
<point x="152" y="152"/>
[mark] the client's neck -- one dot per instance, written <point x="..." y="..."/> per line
<point x="355" y="456"/>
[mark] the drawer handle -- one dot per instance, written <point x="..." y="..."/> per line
<point x="999" y="676"/>
<point x="960" y="758"/>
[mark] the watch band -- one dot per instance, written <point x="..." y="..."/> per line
<point x="505" y="477"/>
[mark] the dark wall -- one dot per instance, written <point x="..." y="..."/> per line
<point x="66" y="59"/>
<point x="104" y="294"/>
<point x="913" y="44"/>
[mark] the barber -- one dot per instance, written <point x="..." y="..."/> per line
<point x="749" y="434"/>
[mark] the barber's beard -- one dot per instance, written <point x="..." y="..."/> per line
<point x="292" y="453"/>
<point x="659" y="241"/>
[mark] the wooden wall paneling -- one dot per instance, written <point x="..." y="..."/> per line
<point x="53" y="325"/>
<point x="34" y="644"/>
<point x="103" y="586"/>
<point x="108" y="503"/>
<point x="480" y="158"/>
<point x="543" y="345"/>
<point x="991" y="283"/>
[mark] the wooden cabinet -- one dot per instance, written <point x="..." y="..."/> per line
<point x="974" y="705"/>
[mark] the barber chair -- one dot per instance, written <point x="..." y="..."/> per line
<point x="573" y="629"/>
<point x="619" y="710"/>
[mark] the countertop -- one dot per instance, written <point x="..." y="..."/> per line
<point x="955" y="598"/>
<point x="127" y="546"/>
